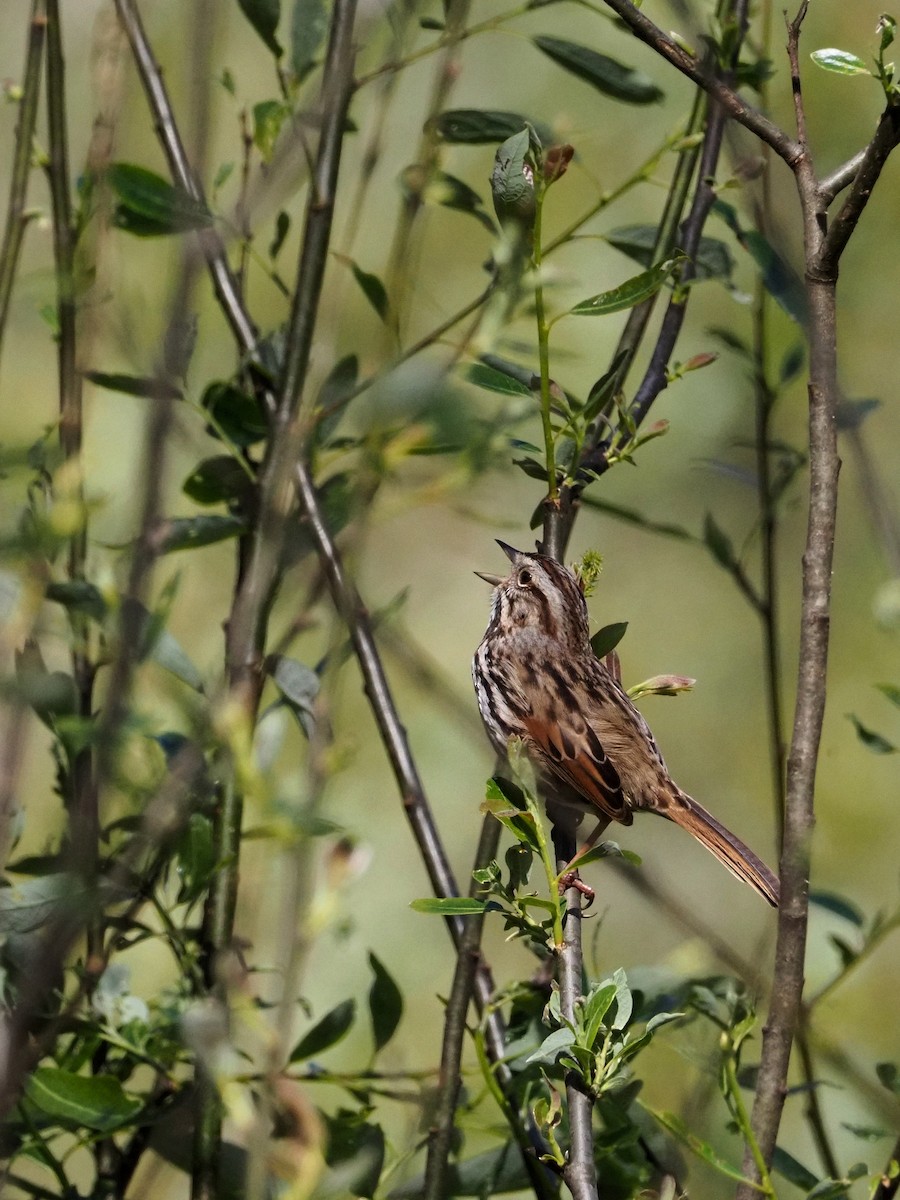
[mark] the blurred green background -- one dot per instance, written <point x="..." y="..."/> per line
<point x="434" y="519"/>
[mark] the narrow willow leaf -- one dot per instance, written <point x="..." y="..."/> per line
<point x="891" y="691"/>
<point x="793" y="1171"/>
<point x="713" y="259"/>
<point x="135" y="385"/>
<point x="633" y="291"/>
<point x="218" y="480"/>
<point x="309" y="24"/>
<point x="264" y="16"/>
<point x="607" y="75"/>
<point x="841" y="62"/>
<point x="839" y="905"/>
<point x="149" y="206"/>
<point x="373" y="289"/>
<point x="662" y="685"/>
<point x="187" y="533"/>
<point x="98" y="1102"/>
<point x="385" y="1003"/>
<point x="334" y="1026"/>
<point x="608" y="638"/>
<point x="493" y="380"/>
<point x="718" y="542"/>
<point x="679" y="1129"/>
<point x="450" y="906"/>
<point x="869" y="738"/>
<point x="480" y="127"/>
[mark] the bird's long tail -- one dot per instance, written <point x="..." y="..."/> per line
<point x="728" y="849"/>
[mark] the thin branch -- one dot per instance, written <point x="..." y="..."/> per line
<point x="832" y="185"/>
<point x="785" y="1002"/>
<point x="742" y="112"/>
<point x="16" y="217"/>
<point x="887" y="137"/>
<point x="440" y="1136"/>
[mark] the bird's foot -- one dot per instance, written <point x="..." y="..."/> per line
<point x="571" y="879"/>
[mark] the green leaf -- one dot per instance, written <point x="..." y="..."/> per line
<point x="891" y="691"/>
<point x="187" y="533"/>
<point x="633" y="517"/>
<point x="218" y="480"/>
<point x="157" y="645"/>
<point x="779" y="277"/>
<point x="309" y="24"/>
<point x="135" y="385"/>
<point x="78" y="595"/>
<point x="493" y="380"/>
<point x="29" y="905"/>
<point x="512" y="816"/>
<point x="282" y="228"/>
<point x="628" y="294"/>
<point x="841" y="62"/>
<point x="77" y="1101"/>
<point x="608" y="850"/>
<point x="607" y="75"/>
<point x="373" y="290"/>
<point x="196" y="856"/>
<point x="679" y="1129"/>
<point x="867" y="1133"/>
<point x="355" y="1152"/>
<point x="607" y="638"/>
<point x="449" y="906"/>
<point x="149" y="206"/>
<point x="870" y="739"/>
<point x="553" y="1045"/>
<point x="718" y="542"/>
<point x="334" y="1026"/>
<point x="889" y="1076"/>
<point x="713" y="259"/>
<point x="334" y="395"/>
<point x="838" y="905"/>
<point x="385" y="1004"/>
<point x="239" y="416"/>
<point x="596" y="1005"/>
<point x="298" y="684"/>
<point x="793" y="1171"/>
<point x="792" y="363"/>
<point x="478" y="127"/>
<point x="264" y="16"/>
<point x="512" y="180"/>
<point x="269" y="117"/>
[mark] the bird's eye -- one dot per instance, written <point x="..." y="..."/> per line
<point x="524" y="578"/>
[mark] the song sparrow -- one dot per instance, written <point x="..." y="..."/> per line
<point x="538" y="679"/>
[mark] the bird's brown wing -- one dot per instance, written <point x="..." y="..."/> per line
<point x="574" y="754"/>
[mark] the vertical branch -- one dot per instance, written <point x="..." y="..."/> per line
<point x="16" y="216"/>
<point x="82" y="797"/>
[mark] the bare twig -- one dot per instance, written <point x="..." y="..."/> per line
<point x="742" y="112"/>
<point x="16" y="216"/>
<point x="440" y="1135"/>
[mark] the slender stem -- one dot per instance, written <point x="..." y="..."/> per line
<point x="742" y="1118"/>
<point x="543" y="339"/>
<point x="82" y="794"/>
<point x="16" y="216"/>
<point x="440" y="1136"/>
<point x="785" y="1002"/>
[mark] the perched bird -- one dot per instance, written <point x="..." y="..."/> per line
<point x="537" y="678"/>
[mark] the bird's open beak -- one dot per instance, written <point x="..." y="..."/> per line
<point x="510" y="551"/>
<point x="493" y="580"/>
